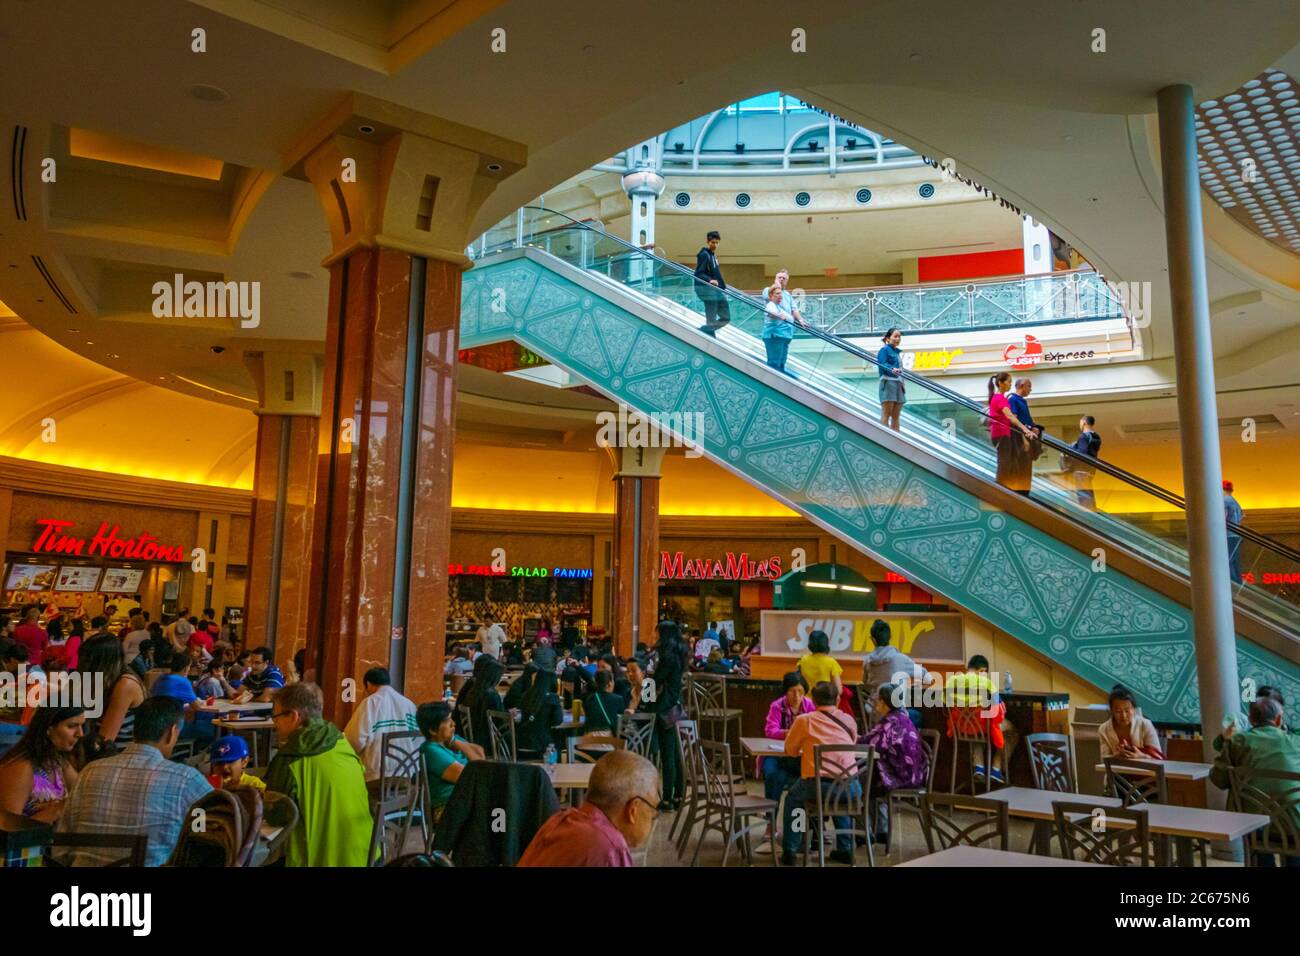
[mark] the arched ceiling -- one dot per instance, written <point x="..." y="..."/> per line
<point x="1015" y="95"/>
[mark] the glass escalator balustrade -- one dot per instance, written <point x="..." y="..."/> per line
<point x="1140" y="516"/>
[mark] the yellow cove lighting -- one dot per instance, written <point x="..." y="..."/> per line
<point x="85" y="144"/>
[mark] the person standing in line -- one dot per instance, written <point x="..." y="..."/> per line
<point x="892" y="395"/>
<point x="1013" y="459"/>
<point x="709" y="285"/>
<point x="1232" y="513"/>
<point x="1087" y="444"/>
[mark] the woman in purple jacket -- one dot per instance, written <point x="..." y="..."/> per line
<point x="780" y="772"/>
<point x="900" y="759"/>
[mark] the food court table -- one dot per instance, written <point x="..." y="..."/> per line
<point x="983" y="856"/>
<point x="228" y="707"/>
<point x="1174" y="769"/>
<point x="571" y="776"/>
<point x="763" y="746"/>
<point x="248" y="725"/>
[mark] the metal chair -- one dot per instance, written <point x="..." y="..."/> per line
<point x="398" y="797"/>
<point x="687" y="735"/>
<point x="1250" y="792"/>
<point x="943" y="830"/>
<point x="501" y="728"/>
<point x="728" y="812"/>
<point x="591" y="747"/>
<point x="134" y="846"/>
<point x="1051" y="761"/>
<point x="1136" y="781"/>
<point x="637" y="731"/>
<point x="280" y="810"/>
<point x="836" y="798"/>
<point x="706" y="701"/>
<point x="466" y="723"/>
<point x="969" y="730"/>
<point x="1086" y="828"/>
<point x="910" y="798"/>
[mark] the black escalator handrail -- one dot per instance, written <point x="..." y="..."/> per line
<point x="1126" y="477"/>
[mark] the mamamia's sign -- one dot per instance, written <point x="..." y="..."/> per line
<point x="927" y="637"/>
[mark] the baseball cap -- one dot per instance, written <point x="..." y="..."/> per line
<point x="228" y="750"/>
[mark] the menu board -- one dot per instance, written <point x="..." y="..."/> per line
<point x="76" y="578"/>
<point x="122" y="580"/>
<point x="31" y="577"/>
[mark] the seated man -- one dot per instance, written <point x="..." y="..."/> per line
<point x="318" y="768"/>
<point x="176" y="685"/>
<point x="138" y="791"/>
<point x="263" y="680"/>
<point x="975" y="707"/>
<point x="1265" y="746"/>
<point x="825" y="725"/>
<point x="383" y="711"/>
<point x="620" y="808"/>
<point x="459" y="663"/>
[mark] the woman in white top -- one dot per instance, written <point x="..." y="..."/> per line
<point x="1128" y="733"/>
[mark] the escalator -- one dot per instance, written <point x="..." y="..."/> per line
<point x="1104" y="593"/>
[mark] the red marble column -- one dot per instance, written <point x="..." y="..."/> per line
<point x="284" y="480"/>
<point x="355" y="563"/>
<point x="636" y="562"/>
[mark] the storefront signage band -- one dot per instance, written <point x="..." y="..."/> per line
<point x="51" y="539"/>
<point x="486" y="570"/>
<point x="921" y="636"/>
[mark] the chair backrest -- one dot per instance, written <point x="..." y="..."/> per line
<point x="501" y="727"/>
<point x="843" y="773"/>
<point x="401" y="765"/>
<point x="943" y="829"/>
<point x="466" y="723"/>
<point x="457" y="682"/>
<point x="687" y="733"/>
<point x="1276" y="794"/>
<point x="591" y="747"/>
<point x="231" y="823"/>
<point x="637" y="731"/>
<point x="967" y="724"/>
<point x="132" y="845"/>
<point x="1136" y="781"/>
<point x="713" y="761"/>
<point x="1052" y="763"/>
<point x="279" y="810"/>
<point x="1086" y="832"/>
<point x="930" y="746"/>
<point x="713" y="687"/>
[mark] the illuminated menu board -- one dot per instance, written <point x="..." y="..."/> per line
<point x="122" y="580"/>
<point x="31" y="577"/>
<point x="75" y="578"/>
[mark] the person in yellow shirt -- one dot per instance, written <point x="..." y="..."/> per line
<point x="229" y="761"/>
<point x="817" y="666"/>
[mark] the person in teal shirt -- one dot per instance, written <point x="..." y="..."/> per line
<point x="444" y="753"/>
<point x="779" y="321"/>
<point x="1265" y="746"/>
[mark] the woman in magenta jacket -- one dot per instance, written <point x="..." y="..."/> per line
<point x="780" y="772"/>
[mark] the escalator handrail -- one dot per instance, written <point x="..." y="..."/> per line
<point x="926" y="384"/>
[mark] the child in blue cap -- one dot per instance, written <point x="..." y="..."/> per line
<point x="229" y="759"/>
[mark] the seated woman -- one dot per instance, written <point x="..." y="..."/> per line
<point x="780" y="772"/>
<point x="480" y="695"/>
<point x="444" y="753"/>
<point x="1128" y="733"/>
<point x="515" y="695"/>
<point x="715" y="663"/>
<point x="541" y="711"/>
<point x="602" y="707"/>
<point x="900" y="759"/>
<point x="37" y="773"/>
<point x="635" y="683"/>
<point x="818" y="665"/>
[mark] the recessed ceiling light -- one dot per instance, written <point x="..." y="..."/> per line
<point x="299" y="275"/>
<point x="208" y="93"/>
<point x="90" y="343"/>
<point x="367" y="129"/>
<point x="494" y="167"/>
<point x="113" y="355"/>
<point x="74" y="330"/>
<point x="915" y="58"/>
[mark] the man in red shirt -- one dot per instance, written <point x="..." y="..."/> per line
<point x="31" y="635"/>
<point x="621" y="806"/>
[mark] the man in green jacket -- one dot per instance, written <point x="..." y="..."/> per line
<point x="1265" y="746"/>
<point x="318" y="768"/>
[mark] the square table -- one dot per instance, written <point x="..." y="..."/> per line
<point x="984" y="856"/>
<point x="229" y="707"/>
<point x="1174" y="769"/>
<point x="763" y="746"/>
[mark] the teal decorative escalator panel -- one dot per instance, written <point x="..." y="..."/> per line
<point x="1103" y="626"/>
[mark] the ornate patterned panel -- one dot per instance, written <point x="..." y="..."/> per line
<point x="1106" y="627"/>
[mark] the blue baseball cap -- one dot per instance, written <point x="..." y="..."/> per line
<point x="228" y="750"/>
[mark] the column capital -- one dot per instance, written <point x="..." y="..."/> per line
<point x="392" y="177"/>
<point x="288" y="383"/>
<point x="636" y="462"/>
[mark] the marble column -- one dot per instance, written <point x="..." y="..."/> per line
<point x="284" y="476"/>
<point x="635" y="595"/>
<point x="378" y="591"/>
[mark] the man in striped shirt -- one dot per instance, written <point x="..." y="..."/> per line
<point x="263" y="679"/>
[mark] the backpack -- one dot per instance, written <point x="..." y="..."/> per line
<point x="231" y="825"/>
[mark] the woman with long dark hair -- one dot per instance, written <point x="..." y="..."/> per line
<point x="1013" y="451"/>
<point x="480" y="695"/>
<point x="673" y="656"/>
<point x="37" y="774"/>
<point x="892" y="393"/>
<point x="520" y="687"/>
<point x="541" y="711"/>
<point x="123" y="689"/>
